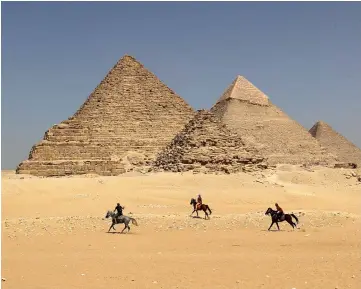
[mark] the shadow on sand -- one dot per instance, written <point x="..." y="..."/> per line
<point x="120" y="233"/>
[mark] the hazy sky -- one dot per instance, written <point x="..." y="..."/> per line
<point x="305" y="56"/>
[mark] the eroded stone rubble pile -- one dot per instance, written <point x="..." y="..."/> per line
<point x="206" y="145"/>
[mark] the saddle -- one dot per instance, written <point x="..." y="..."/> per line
<point x="198" y="206"/>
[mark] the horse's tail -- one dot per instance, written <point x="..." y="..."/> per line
<point x="134" y="221"/>
<point x="209" y="209"/>
<point x="293" y="215"/>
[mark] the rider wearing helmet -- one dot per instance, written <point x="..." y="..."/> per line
<point x="280" y="212"/>
<point x="119" y="210"/>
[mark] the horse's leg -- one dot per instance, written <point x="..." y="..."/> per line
<point x="209" y="209"/>
<point x="123" y="229"/>
<point x="271" y="226"/>
<point x="205" y="214"/>
<point x="289" y="221"/>
<point x="194" y="209"/>
<point x="197" y="213"/>
<point x="205" y="211"/>
<point x="294" y="224"/>
<point x="278" y="226"/>
<point x="112" y="225"/>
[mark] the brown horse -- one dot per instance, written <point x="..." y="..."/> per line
<point x="202" y="207"/>
<point x="286" y="217"/>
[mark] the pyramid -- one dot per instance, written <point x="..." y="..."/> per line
<point x="126" y="120"/>
<point x="249" y="112"/>
<point x="206" y="145"/>
<point x="335" y="143"/>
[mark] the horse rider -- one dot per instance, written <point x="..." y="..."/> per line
<point x="199" y="201"/>
<point x="119" y="210"/>
<point x="279" y="210"/>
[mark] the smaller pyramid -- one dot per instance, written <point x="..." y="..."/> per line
<point x="243" y="90"/>
<point x="336" y="143"/>
<point x="206" y="145"/>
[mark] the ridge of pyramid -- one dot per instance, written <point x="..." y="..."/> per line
<point x="206" y="145"/>
<point x="125" y="121"/>
<point x="243" y="90"/>
<point x="336" y="143"/>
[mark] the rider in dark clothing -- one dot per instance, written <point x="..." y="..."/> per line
<point x="119" y="210"/>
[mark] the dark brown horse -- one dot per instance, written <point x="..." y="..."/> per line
<point x="285" y="217"/>
<point x="202" y="207"/>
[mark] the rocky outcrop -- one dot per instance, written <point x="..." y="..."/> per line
<point x="206" y="145"/>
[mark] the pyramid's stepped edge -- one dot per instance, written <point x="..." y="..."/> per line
<point x="130" y="111"/>
<point x="272" y="132"/>
<point x="205" y="145"/>
<point x="336" y="143"/>
<point x="62" y="168"/>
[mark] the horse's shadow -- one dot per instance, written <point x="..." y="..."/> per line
<point x="120" y="233"/>
<point x="275" y="230"/>
<point x="196" y="217"/>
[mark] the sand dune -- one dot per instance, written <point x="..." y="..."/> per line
<point x="54" y="231"/>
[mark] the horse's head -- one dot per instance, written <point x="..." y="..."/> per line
<point x="109" y="214"/>
<point x="269" y="211"/>
<point x="193" y="201"/>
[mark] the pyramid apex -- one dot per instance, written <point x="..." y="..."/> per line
<point x="318" y="126"/>
<point x="243" y="90"/>
<point x="321" y="122"/>
<point x="128" y="56"/>
<point x="241" y="77"/>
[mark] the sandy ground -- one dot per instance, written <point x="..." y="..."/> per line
<point x="54" y="234"/>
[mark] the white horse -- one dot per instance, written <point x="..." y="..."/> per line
<point x="120" y="220"/>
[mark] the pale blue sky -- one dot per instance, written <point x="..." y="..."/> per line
<point x="306" y="56"/>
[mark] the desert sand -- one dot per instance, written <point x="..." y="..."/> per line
<point x="54" y="234"/>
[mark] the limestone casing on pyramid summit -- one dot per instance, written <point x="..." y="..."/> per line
<point x="244" y="90"/>
<point x="260" y="123"/>
<point x="124" y="122"/>
<point x="336" y="143"/>
<point x="206" y="145"/>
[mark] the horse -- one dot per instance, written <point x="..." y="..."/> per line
<point x="120" y="220"/>
<point x="286" y="217"/>
<point x="202" y="207"/>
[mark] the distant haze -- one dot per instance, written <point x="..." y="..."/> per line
<point x="305" y="56"/>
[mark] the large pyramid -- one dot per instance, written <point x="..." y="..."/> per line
<point x="125" y="121"/>
<point x="206" y="145"/>
<point x="248" y="111"/>
<point x="335" y="143"/>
